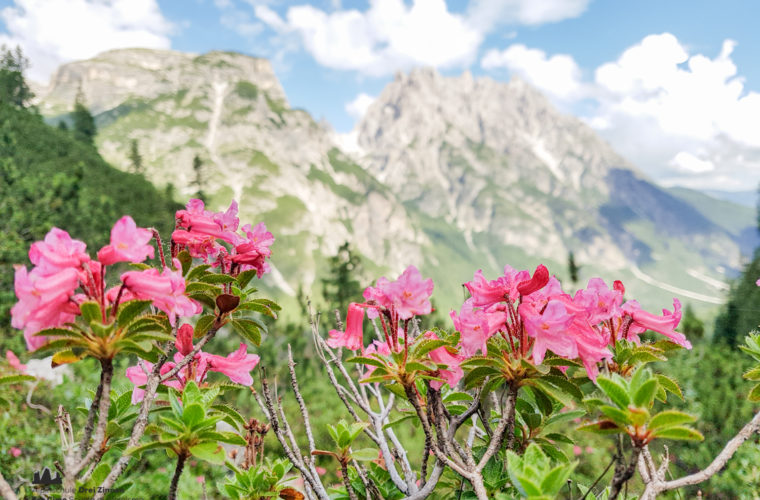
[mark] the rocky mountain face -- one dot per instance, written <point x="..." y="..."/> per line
<point x="515" y="176"/>
<point x="454" y="174"/>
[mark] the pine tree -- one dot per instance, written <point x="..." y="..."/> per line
<point x="341" y="286"/>
<point x="84" y="123"/>
<point x="135" y="158"/>
<point x="198" y="177"/>
<point x="573" y="268"/>
<point x="691" y="325"/>
<point x="13" y="87"/>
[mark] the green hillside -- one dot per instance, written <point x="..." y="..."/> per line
<point x="48" y="178"/>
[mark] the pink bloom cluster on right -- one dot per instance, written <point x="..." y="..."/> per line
<point x="538" y="316"/>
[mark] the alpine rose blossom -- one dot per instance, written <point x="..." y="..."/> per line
<point x="138" y="375"/>
<point x="184" y="343"/>
<point x="58" y="251"/>
<point x="237" y="366"/>
<point x="550" y="330"/>
<point x="537" y="282"/>
<point x="44" y="301"/>
<point x="166" y="290"/>
<point x="664" y="324"/>
<point x="453" y="373"/>
<point x="129" y="243"/>
<point x="353" y="338"/>
<point x="252" y="251"/>
<point x="408" y="296"/>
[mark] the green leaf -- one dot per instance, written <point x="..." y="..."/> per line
<point x="65" y="357"/>
<point x="367" y="361"/>
<point x="217" y="278"/>
<point x="245" y="277"/>
<point x="155" y="445"/>
<point x="415" y="366"/>
<point x="232" y="413"/>
<point x="257" y="307"/>
<point x="615" y="391"/>
<point x="617" y="415"/>
<point x="555" y="480"/>
<point x="59" y="332"/>
<point x="196" y="272"/>
<point x="249" y="329"/>
<point x="669" y="418"/>
<point x="192" y="414"/>
<point x="644" y="396"/>
<point x="210" y="452"/>
<point x="129" y="310"/>
<point x="754" y="394"/>
<point x="364" y="455"/>
<point x="679" y="433"/>
<point x="427" y="345"/>
<point x="203" y="325"/>
<point x="601" y="427"/>
<point x="91" y="311"/>
<point x="197" y="286"/>
<point x="753" y="374"/>
<point x="564" y="417"/>
<point x="669" y="385"/>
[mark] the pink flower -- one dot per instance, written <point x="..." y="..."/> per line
<point x="476" y="326"/>
<point x="600" y="303"/>
<point x="237" y="366"/>
<point x="577" y="450"/>
<point x="113" y="292"/>
<point x="228" y="220"/>
<point x="486" y="293"/>
<point x="184" y="343"/>
<point x="251" y="252"/>
<point x="166" y="290"/>
<point x="197" y="220"/>
<point x="352" y="338"/>
<point x="138" y="375"/>
<point x="664" y="324"/>
<point x="200" y="479"/>
<point x="129" y="243"/>
<point x="549" y="329"/>
<point x="14" y="362"/>
<point x="537" y="282"/>
<point x="453" y="373"/>
<point x="57" y="252"/>
<point x="16" y="452"/>
<point x="44" y="302"/>
<point x="408" y="296"/>
<point x="592" y="346"/>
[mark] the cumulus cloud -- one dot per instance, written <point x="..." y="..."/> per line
<point x="397" y="35"/>
<point x="683" y="118"/>
<point x="359" y="105"/>
<point x="52" y="32"/>
<point x="696" y="123"/>
<point x="486" y="14"/>
<point x="387" y="37"/>
<point x="558" y="75"/>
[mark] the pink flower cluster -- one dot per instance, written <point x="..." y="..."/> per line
<point x="531" y="312"/>
<point x="214" y="237"/>
<point x="535" y="315"/>
<point x="394" y="302"/>
<point x="237" y="366"/>
<point x="48" y="297"/>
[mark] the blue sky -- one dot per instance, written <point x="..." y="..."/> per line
<point x="673" y="85"/>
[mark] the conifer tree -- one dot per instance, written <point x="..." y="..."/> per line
<point x="135" y="158"/>
<point x="84" y="123"/>
<point x="13" y="87"/>
<point x="341" y="286"/>
<point x="198" y="177"/>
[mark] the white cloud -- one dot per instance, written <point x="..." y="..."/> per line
<point x="558" y="75"/>
<point x="486" y="14"/>
<point x="359" y="105"/>
<point x="388" y="36"/>
<point x="52" y="32"/>
<point x="684" y="118"/>
<point x="688" y="163"/>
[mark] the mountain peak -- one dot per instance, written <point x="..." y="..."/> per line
<point x="112" y="77"/>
